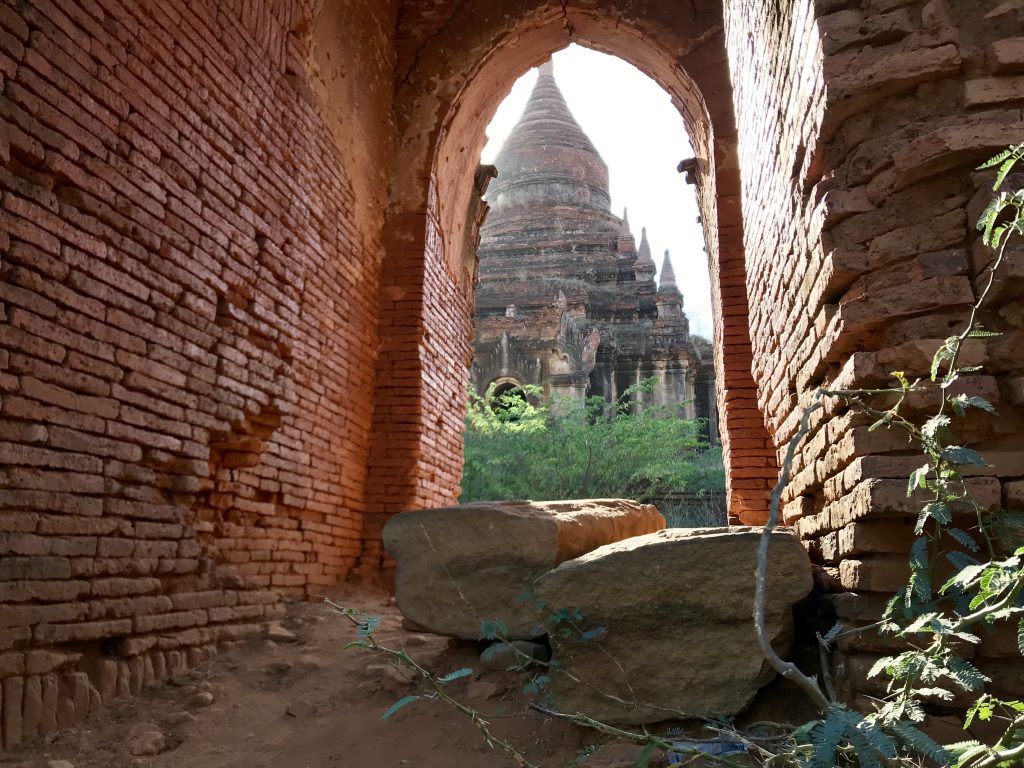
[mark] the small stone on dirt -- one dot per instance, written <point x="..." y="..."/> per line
<point x="279" y="634"/>
<point x="418" y="641"/>
<point x="200" y="700"/>
<point x="146" y="739"/>
<point x="279" y="667"/>
<point x="300" y="709"/>
<point x="180" y="718"/>
<point x="306" y="664"/>
<point x="368" y="687"/>
<point x="392" y="673"/>
<point x="385" y="677"/>
<point x="484" y="689"/>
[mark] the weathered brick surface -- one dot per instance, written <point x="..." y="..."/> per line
<point x="189" y="264"/>
<point x="861" y="254"/>
<point x="236" y="281"/>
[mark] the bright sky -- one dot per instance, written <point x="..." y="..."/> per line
<point x="640" y="135"/>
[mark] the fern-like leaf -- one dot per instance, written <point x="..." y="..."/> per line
<point x="582" y="756"/>
<point x="458" y="673"/>
<point x="920" y="742"/>
<point x="880" y="741"/>
<point x="964" y="539"/>
<point x="936" y="510"/>
<point x="919" y="554"/>
<point x="398" y="705"/>
<point x="643" y="760"/>
<point x="1006" y="161"/>
<point x="829" y="637"/>
<point x="826" y="737"/>
<point x="959" y="454"/>
<point x="965" y="674"/>
<point x="882" y="665"/>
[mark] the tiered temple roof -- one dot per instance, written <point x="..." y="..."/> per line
<point x="565" y="297"/>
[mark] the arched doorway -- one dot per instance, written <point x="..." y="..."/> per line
<point x="449" y="90"/>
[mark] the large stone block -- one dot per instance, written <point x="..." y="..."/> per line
<point x="667" y="625"/>
<point x="460" y="566"/>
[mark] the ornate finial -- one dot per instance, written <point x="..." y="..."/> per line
<point x="624" y="231"/>
<point x="547" y="69"/>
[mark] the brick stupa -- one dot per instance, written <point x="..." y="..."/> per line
<point x="566" y="300"/>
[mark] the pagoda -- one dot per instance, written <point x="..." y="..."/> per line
<point x="566" y="299"/>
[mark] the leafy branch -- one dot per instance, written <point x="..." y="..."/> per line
<point x="366" y="625"/>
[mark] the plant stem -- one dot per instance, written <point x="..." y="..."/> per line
<point x="785" y="668"/>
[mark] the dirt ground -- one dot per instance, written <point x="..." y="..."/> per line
<point x="307" y="703"/>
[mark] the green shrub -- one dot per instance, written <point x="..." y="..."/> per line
<point x="518" y="448"/>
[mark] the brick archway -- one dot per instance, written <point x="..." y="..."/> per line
<point x="450" y="83"/>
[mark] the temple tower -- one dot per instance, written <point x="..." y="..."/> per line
<point x="566" y="300"/>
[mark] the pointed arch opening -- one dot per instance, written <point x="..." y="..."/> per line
<point x="447" y="95"/>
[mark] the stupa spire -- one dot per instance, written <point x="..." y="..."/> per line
<point x="668" y="275"/>
<point x="547" y="159"/>
<point x="669" y="299"/>
<point x="644" y="251"/>
<point x="627" y="245"/>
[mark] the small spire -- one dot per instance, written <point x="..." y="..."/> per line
<point x="668" y="275"/>
<point x="547" y="69"/>
<point x="624" y="231"/>
<point x="644" y="252"/>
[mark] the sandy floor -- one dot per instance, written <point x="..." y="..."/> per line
<point x="309" y="704"/>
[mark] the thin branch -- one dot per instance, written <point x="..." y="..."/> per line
<point x="785" y="668"/>
<point x="641" y="739"/>
<point x="437" y="687"/>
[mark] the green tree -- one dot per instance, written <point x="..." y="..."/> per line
<point x="518" y="448"/>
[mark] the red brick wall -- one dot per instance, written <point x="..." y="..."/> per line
<point x="190" y="246"/>
<point x="861" y="256"/>
<point x="454" y="64"/>
<point x="426" y="322"/>
<point x="236" y="290"/>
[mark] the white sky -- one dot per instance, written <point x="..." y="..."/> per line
<point x="640" y="135"/>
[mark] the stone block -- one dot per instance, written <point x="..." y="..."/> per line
<point x="988" y="91"/>
<point x="32" y="707"/>
<point x="460" y="566"/>
<point x="51" y="693"/>
<point x="709" y="662"/>
<point x="882" y="573"/>
<point x="11" y="723"/>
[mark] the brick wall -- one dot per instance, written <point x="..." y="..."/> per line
<point x="862" y="257"/>
<point x="236" y="287"/>
<point x="190" y="252"/>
